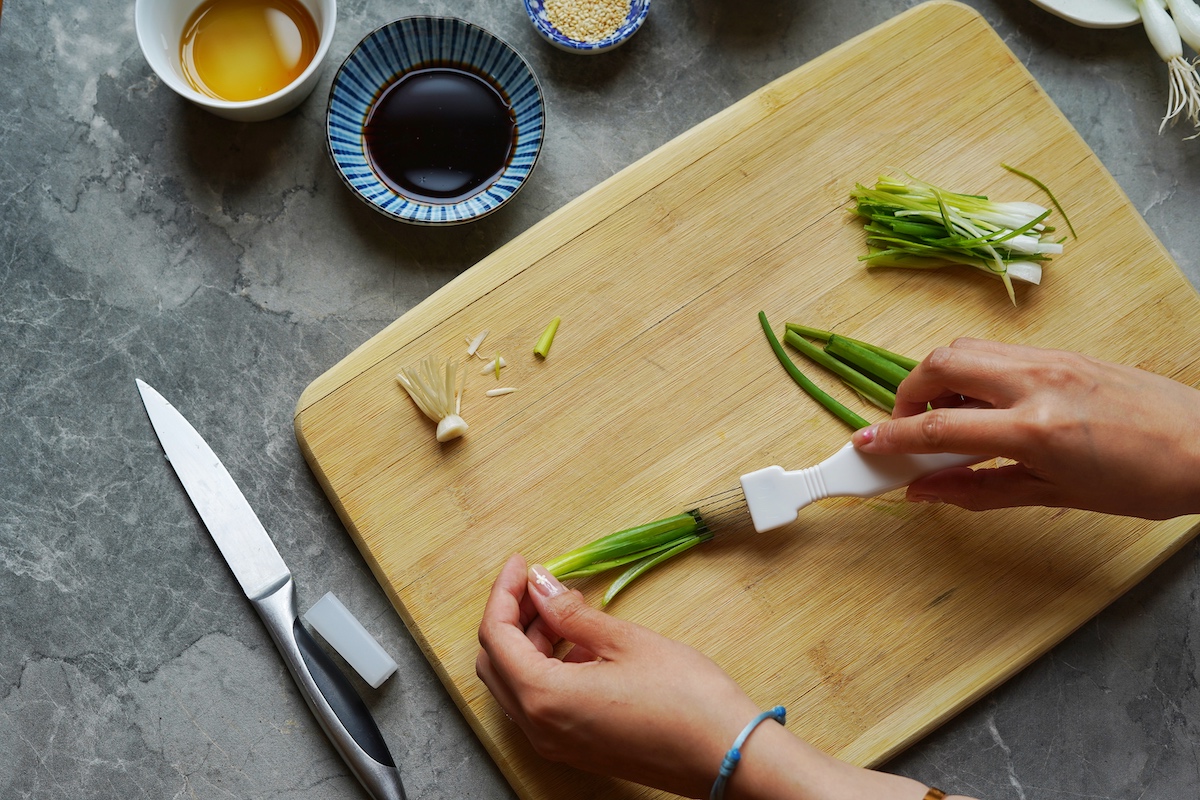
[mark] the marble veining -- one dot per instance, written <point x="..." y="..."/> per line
<point x="226" y="265"/>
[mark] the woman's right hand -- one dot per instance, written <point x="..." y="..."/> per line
<point x="1085" y="433"/>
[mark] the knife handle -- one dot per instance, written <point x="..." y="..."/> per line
<point x="343" y="715"/>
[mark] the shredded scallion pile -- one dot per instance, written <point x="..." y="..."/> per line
<point x="916" y="225"/>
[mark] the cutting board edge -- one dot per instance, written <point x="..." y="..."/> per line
<point x="410" y="624"/>
<point x="870" y="749"/>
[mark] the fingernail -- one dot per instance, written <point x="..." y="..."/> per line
<point x="546" y="584"/>
<point x="865" y="435"/>
<point x="924" y="498"/>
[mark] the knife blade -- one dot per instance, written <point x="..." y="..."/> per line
<point x="268" y="584"/>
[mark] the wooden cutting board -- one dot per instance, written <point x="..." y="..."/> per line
<point x="872" y="621"/>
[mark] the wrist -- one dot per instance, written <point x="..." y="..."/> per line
<point x="777" y="765"/>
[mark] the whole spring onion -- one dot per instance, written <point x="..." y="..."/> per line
<point x="1183" y="82"/>
<point x="916" y="225"/>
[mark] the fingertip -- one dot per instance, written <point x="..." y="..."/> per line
<point x="543" y="582"/>
<point x="864" y="437"/>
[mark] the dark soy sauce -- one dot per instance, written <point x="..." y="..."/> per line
<point x="440" y="134"/>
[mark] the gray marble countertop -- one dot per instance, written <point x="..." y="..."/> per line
<point x="225" y="264"/>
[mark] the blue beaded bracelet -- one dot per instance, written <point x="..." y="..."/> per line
<point x="779" y="713"/>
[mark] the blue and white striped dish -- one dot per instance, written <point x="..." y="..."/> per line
<point x="416" y="42"/>
<point x="536" y="9"/>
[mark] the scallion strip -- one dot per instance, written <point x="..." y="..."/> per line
<point x="1049" y="194"/>
<point x="647" y="564"/>
<point x="823" y="336"/>
<point x="863" y="384"/>
<point x="624" y="543"/>
<point x="833" y="406"/>
<point x="865" y="360"/>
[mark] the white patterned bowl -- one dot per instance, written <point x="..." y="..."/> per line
<point x="536" y="9"/>
<point x="415" y="43"/>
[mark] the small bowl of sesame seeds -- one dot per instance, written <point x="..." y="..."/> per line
<point x="587" y="26"/>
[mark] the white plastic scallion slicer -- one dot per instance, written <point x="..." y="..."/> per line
<point x="775" y="496"/>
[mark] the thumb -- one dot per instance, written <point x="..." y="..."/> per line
<point x="570" y="617"/>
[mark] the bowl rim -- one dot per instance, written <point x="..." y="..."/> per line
<point x="181" y="87"/>
<point x="554" y="36"/>
<point x="438" y="223"/>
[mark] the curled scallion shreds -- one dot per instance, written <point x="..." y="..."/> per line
<point x="434" y="387"/>
<point x="915" y="225"/>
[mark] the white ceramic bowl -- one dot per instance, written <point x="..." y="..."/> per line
<point x="159" y="26"/>
<point x="411" y="43"/>
<point x="536" y="9"/>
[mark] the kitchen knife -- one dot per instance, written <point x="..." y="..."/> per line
<point x="268" y="584"/>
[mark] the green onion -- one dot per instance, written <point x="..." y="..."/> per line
<point x="625" y="546"/>
<point x="1049" y="194"/>
<point x="867" y="361"/>
<point x="542" y="348"/>
<point x="649" y="563"/>
<point x="916" y="225"/>
<point x="824" y="336"/>
<point x="875" y="393"/>
<point x="837" y="409"/>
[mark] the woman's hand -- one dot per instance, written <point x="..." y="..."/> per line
<point x="624" y="701"/>
<point x="1084" y="433"/>
<point x="630" y="703"/>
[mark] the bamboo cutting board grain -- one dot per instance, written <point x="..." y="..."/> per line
<point x="872" y="621"/>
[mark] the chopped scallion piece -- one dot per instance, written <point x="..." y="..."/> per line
<point x="542" y="348"/>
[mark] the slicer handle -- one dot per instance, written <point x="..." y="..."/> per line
<point x="774" y="496"/>
<point x="343" y="715"/>
<point x="852" y="473"/>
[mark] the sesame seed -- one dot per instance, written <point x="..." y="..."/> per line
<point x="587" y="20"/>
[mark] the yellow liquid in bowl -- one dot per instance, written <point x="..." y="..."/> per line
<point x="247" y="49"/>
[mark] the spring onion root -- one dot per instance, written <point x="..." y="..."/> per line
<point x="916" y="225"/>
<point x="1183" y="98"/>
<point x="434" y="387"/>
